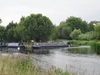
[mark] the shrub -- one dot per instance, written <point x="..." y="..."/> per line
<point x="74" y="35"/>
<point x="87" y="36"/>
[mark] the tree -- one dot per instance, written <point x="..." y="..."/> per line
<point x="11" y="25"/>
<point x="35" y="27"/>
<point x="84" y="27"/>
<point x="77" y="23"/>
<point x="0" y="20"/>
<point x="64" y="31"/>
<point x="10" y="32"/>
<point x="54" y="34"/>
<point x="97" y="31"/>
<point x="90" y="27"/>
<point x="95" y="22"/>
<point x="2" y="28"/>
<point x="74" y="35"/>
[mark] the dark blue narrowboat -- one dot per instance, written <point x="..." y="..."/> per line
<point x="15" y="45"/>
<point x="3" y="45"/>
<point x="50" y="45"/>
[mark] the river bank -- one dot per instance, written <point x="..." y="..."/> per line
<point x="78" y="42"/>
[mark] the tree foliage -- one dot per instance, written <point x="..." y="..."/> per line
<point x="87" y="36"/>
<point x="63" y="31"/>
<point x="54" y="34"/>
<point x="10" y="32"/>
<point x="2" y="28"/>
<point x="90" y="27"/>
<point x="95" y="22"/>
<point x="35" y="27"/>
<point x="97" y="31"/>
<point x="74" y="35"/>
<point x="0" y="20"/>
<point x="77" y="23"/>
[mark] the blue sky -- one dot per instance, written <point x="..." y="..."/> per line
<point x="56" y="10"/>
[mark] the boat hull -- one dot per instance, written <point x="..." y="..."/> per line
<point x="49" y="47"/>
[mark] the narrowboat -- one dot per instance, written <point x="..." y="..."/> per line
<point x="3" y="45"/>
<point x="16" y="45"/>
<point x="51" y="45"/>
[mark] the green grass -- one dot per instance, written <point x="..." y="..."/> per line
<point x="76" y="42"/>
<point x="11" y="65"/>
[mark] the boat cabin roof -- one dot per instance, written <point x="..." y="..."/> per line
<point x="14" y="44"/>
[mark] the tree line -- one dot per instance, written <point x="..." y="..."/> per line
<point x="40" y="28"/>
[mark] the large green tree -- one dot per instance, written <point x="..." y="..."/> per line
<point x="64" y="31"/>
<point x="77" y="23"/>
<point x="10" y="32"/>
<point x="2" y="28"/>
<point x="54" y="34"/>
<point x="90" y="27"/>
<point x="35" y="27"/>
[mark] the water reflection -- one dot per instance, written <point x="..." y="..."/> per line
<point x="41" y="51"/>
<point x="9" y="50"/>
<point x="82" y="51"/>
<point x="80" y="61"/>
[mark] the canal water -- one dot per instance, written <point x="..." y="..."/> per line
<point x="81" y="60"/>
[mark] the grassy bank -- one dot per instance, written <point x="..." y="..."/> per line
<point x="11" y="65"/>
<point x="77" y="42"/>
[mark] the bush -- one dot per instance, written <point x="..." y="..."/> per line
<point x="87" y="36"/>
<point x="74" y="35"/>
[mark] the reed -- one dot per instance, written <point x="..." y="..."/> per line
<point x="10" y="65"/>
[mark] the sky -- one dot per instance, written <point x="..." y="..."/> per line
<point x="56" y="10"/>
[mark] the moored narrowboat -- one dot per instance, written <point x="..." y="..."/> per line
<point x="50" y="45"/>
<point x="15" y="45"/>
<point x="3" y="45"/>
